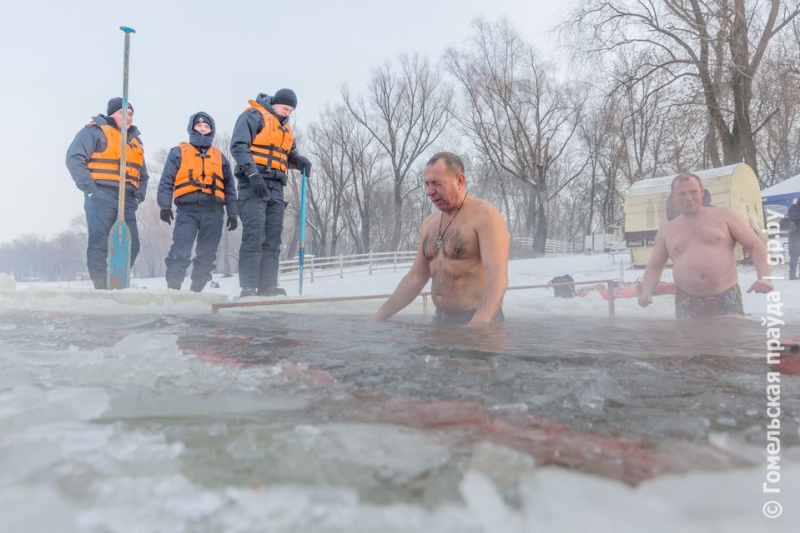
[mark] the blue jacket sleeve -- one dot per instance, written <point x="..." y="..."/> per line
<point x="166" y="187"/>
<point x="247" y="127"/>
<point x="144" y="178"/>
<point x="88" y="141"/>
<point x="230" y="189"/>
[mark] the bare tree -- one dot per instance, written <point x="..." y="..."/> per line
<point x="33" y="257"/>
<point x="518" y="117"/>
<point x="776" y="88"/>
<point x="329" y="140"/>
<point x="156" y="162"/>
<point x="406" y="111"/>
<point x="228" y="251"/>
<point x="155" y="237"/>
<point x="596" y="133"/>
<point x="717" y="46"/>
<point x="779" y="143"/>
<point x="366" y="161"/>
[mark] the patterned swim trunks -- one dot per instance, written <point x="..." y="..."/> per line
<point x="727" y="303"/>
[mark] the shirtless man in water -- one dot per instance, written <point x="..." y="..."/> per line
<point x="463" y="249"/>
<point x="700" y="242"/>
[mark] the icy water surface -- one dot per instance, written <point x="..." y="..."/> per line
<point x="206" y="423"/>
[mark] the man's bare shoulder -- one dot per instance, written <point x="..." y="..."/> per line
<point x="725" y="213"/>
<point x="672" y="227"/>
<point x="486" y="211"/>
<point x="672" y="224"/>
<point x="430" y="218"/>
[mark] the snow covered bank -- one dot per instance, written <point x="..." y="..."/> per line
<point x="147" y="295"/>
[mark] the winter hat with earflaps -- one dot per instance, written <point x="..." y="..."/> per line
<point x="195" y="138"/>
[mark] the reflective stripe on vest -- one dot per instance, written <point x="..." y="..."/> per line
<point x="199" y="172"/>
<point x="273" y="143"/>
<point x="105" y="165"/>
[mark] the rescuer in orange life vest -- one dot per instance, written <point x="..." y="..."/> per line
<point x="263" y="146"/>
<point x="93" y="160"/>
<point x="199" y="179"/>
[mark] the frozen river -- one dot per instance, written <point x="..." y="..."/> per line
<point x="264" y="420"/>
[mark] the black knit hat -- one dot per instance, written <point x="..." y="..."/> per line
<point x="114" y="105"/>
<point x="202" y="117"/>
<point x="285" y="97"/>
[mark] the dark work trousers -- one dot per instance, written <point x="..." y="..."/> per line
<point x="794" y="252"/>
<point x="262" y="225"/>
<point x="200" y="223"/>
<point x="101" y="213"/>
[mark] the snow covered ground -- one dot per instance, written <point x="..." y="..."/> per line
<point x="521" y="272"/>
<point x="118" y="413"/>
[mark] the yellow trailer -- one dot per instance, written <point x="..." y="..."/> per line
<point x="734" y="186"/>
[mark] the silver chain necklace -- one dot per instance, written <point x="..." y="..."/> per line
<point x="440" y="238"/>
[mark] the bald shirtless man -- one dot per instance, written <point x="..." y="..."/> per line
<point x="700" y="242"/>
<point x="463" y="249"/>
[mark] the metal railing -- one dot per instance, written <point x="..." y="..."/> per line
<point x="339" y="265"/>
<point x="619" y="248"/>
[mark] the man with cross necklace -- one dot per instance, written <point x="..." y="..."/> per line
<point x="463" y="250"/>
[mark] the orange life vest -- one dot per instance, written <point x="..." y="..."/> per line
<point x="273" y="143"/>
<point x="200" y="172"/>
<point x="105" y="165"/>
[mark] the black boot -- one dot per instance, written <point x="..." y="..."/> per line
<point x="247" y="291"/>
<point x="197" y="286"/>
<point x="271" y="291"/>
<point x="100" y="284"/>
<point x="173" y="283"/>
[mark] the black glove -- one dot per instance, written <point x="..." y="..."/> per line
<point x="259" y="187"/>
<point x="303" y="164"/>
<point x="233" y="223"/>
<point x="167" y="216"/>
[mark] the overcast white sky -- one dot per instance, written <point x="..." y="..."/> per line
<point x="62" y="61"/>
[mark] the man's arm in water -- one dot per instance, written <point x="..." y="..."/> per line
<point x="744" y="235"/>
<point x="652" y="273"/>
<point x="408" y="288"/>
<point x="493" y="245"/>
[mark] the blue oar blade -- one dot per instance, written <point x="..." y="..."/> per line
<point x="119" y="256"/>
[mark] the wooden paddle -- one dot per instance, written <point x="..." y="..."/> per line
<point x="119" y="240"/>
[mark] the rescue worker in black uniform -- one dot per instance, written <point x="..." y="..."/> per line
<point x="263" y="146"/>
<point x="93" y="161"/>
<point x="793" y="218"/>
<point x="200" y="180"/>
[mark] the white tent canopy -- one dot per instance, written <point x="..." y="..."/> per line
<point x="789" y="186"/>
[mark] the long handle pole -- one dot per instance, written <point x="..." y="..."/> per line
<point x="119" y="238"/>
<point x="123" y="168"/>
<point x="302" y="229"/>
